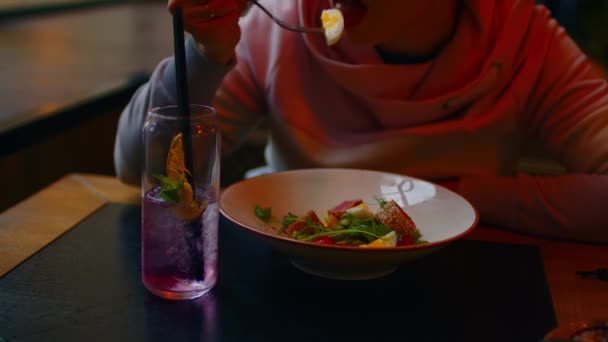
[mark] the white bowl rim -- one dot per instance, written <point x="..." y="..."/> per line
<point x="342" y="247"/>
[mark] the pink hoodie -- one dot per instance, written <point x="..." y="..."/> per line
<point x="510" y="74"/>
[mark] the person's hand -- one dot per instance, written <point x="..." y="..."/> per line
<point x="213" y="24"/>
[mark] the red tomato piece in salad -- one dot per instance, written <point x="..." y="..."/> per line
<point x="295" y="226"/>
<point x="303" y="225"/>
<point x="325" y="240"/>
<point x="341" y="208"/>
<point x="405" y="240"/>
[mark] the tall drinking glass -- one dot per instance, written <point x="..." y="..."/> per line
<point x="180" y="205"/>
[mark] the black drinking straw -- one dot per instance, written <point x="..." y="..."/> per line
<point x="183" y="105"/>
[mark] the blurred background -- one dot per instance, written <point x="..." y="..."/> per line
<point x="68" y="68"/>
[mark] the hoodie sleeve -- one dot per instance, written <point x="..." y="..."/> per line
<point x="567" y="109"/>
<point x="229" y="88"/>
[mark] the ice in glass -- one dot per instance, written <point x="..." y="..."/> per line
<point x="180" y="203"/>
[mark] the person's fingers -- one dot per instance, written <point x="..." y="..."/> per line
<point x="200" y="2"/>
<point x="208" y="12"/>
<point x="243" y="6"/>
<point x="172" y="4"/>
<point x="219" y="30"/>
<point x="208" y="29"/>
<point x="214" y="25"/>
<point x="219" y="37"/>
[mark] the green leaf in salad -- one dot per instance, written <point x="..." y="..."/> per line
<point x="289" y="219"/>
<point x="373" y="229"/>
<point x="310" y="224"/>
<point x="263" y="214"/>
<point x="416" y="235"/>
<point x="333" y="233"/>
<point x="309" y="227"/>
<point x="381" y="201"/>
<point x="169" y="188"/>
<point x="353" y="228"/>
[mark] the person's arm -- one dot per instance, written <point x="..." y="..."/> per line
<point x="231" y="89"/>
<point x="568" y="110"/>
<point x="204" y="78"/>
<point x="570" y="207"/>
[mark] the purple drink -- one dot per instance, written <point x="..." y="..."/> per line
<point x="179" y="256"/>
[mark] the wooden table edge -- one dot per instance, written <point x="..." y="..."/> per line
<point x="37" y="221"/>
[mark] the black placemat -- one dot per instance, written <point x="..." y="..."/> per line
<point x="86" y="287"/>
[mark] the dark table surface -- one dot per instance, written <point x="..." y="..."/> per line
<point x="53" y="61"/>
<point x="86" y="286"/>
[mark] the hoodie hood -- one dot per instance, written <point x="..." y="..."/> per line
<point x="483" y="51"/>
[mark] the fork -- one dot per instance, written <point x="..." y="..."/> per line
<point x="287" y="26"/>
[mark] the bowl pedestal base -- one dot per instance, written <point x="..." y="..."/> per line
<point x="344" y="272"/>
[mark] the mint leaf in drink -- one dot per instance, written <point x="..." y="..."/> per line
<point x="169" y="188"/>
<point x="263" y="213"/>
<point x="170" y="195"/>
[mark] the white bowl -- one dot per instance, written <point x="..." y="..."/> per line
<point x="441" y="215"/>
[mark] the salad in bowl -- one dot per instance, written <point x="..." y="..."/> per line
<point x="350" y="223"/>
<point x="347" y="223"/>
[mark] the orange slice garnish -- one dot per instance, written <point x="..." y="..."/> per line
<point x="176" y="166"/>
<point x="188" y="207"/>
<point x="190" y="211"/>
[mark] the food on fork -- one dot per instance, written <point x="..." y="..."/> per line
<point x="333" y="24"/>
<point x="350" y="223"/>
